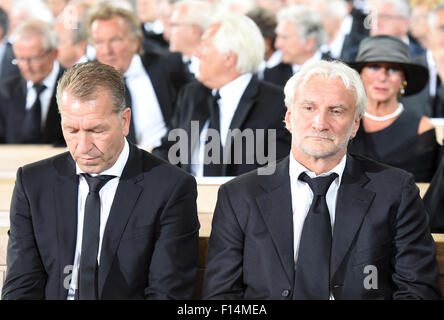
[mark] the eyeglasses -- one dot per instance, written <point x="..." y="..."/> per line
<point x="34" y="59"/>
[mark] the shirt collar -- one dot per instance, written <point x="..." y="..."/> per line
<point x="117" y="168"/>
<point x="237" y="85"/>
<point x="315" y="57"/>
<point x="50" y="80"/>
<point x="296" y="169"/>
<point x="135" y="68"/>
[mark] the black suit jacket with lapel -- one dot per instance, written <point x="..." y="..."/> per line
<point x="380" y="221"/>
<point x="13" y="110"/>
<point x="261" y="107"/>
<point x="150" y="241"/>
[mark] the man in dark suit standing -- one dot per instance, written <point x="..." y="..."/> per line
<point x="152" y="80"/>
<point x="244" y="114"/>
<point x="28" y="107"/>
<point x="105" y="220"/>
<point x="326" y="225"/>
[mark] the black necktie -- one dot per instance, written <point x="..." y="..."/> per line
<point x="128" y="101"/>
<point x="312" y="276"/>
<point x="87" y="283"/>
<point x="438" y="111"/>
<point x="213" y="169"/>
<point x="33" y="118"/>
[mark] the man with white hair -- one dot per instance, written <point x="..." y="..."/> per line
<point x="29" y="112"/>
<point x="227" y="97"/>
<point x="189" y="19"/>
<point x="299" y="36"/>
<point x="326" y="224"/>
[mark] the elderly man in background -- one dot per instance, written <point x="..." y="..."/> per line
<point x="28" y="111"/>
<point x="227" y="97"/>
<point x="189" y="20"/>
<point x="72" y="35"/>
<point x="299" y="36"/>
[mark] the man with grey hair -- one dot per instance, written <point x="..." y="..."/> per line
<point x="29" y="108"/>
<point x="430" y="101"/>
<point x="326" y="224"/>
<point x="189" y="20"/>
<point x="105" y="220"/>
<point x="71" y="31"/>
<point x="389" y="17"/>
<point x="228" y="104"/>
<point x="299" y="36"/>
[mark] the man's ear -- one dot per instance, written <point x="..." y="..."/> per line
<point x="126" y="121"/>
<point x="231" y="60"/>
<point x="356" y="123"/>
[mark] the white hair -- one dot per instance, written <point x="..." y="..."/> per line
<point x="33" y="9"/>
<point x="402" y="7"/>
<point x="199" y="13"/>
<point x="336" y="8"/>
<point x="239" y="34"/>
<point x="329" y="70"/>
<point x="307" y="21"/>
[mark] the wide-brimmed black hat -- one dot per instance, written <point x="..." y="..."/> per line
<point x="392" y="49"/>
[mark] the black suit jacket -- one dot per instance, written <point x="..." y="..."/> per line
<point x="8" y="68"/>
<point x="13" y="110"/>
<point x="150" y="241"/>
<point x="422" y="103"/>
<point x="261" y="107"/>
<point x="380" y="221"/>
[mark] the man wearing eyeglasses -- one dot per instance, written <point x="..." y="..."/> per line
<point x="28" y="112"/>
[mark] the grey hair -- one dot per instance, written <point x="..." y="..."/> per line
<point x="307" y="21"/>
<point x="239" y="34"/>
<point x="198" y="12"/>
<point x="329" y="70"/>
<point x="39" y="28"/>
<point x="402" y="7"/>
<point x="83" y="80"/>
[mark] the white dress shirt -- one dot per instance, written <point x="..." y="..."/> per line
<point x="45" y="97"/>
<point x="149" y="124"/>
<point x="273" y="61"/>
<point x="302" y="197"/>
<point x="106" y="194"/>
<point x="230" y="96"/>
<point x="433" y="73"/>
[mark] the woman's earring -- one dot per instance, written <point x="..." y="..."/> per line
<point x="402" y="90"/>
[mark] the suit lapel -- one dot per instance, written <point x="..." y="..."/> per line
<point x="244" y="107"/>
<point x="353" y="202"/>
<point x="127" y="193"/>
<point x="66" y="202"/>
<point x="275" y="207"/>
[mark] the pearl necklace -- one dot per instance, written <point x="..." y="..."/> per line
<point x="387" y="116"/>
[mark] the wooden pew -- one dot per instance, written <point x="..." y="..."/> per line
<point x="439" y="242"/>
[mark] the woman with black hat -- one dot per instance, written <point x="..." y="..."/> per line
<point x="389" y="133"/>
